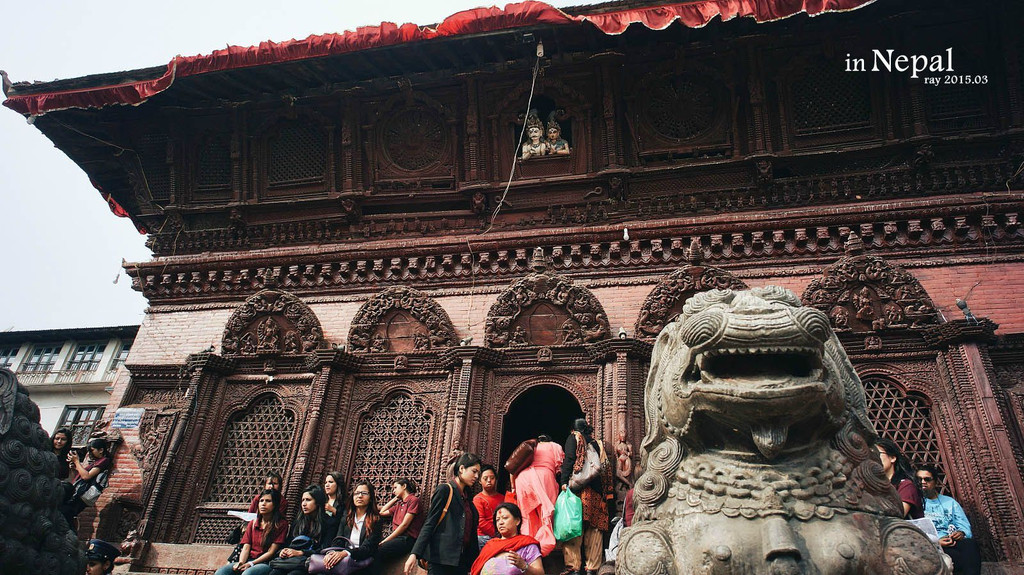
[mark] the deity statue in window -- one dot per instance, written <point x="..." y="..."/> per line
<point x="534" y="146"/>
<point x="557" y="145"/>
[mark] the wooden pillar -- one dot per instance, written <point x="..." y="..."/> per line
<point x="991" y="487"/>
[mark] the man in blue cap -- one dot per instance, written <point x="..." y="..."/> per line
<point x="99" y="557"/>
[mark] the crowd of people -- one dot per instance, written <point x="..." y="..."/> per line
<point x="489" y="533"/>
<point x="455" y="532"/>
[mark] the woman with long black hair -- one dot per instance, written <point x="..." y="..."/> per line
<point x="62" y="448"/>
<point x="900" y="474"/>
<point x="360" y="533"/>
<point x="333" y="487"/>
<point x="448" y="537"/>
<point x="311" y="523"/>
<point x="261" y="539"/>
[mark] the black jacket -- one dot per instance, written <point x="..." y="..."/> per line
<point x="443" y="544"/>
<point x="368" y="542"/>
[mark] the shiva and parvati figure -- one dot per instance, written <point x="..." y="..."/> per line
<point x="758" y="455"/>
<point x="536" y="145"/>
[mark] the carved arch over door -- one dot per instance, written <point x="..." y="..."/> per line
<point x="272" y="322"/>
<point x="545" y="309"/>
<point x="864" y="293"/>
<point x="401" y="319"/>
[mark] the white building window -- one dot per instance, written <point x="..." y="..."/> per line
<point x="122" y="355"/>
<point x="80" y="419"/>
<point x="7" y="355"/>
<point x="86" y="357"/>
<point x="41" y="359"/>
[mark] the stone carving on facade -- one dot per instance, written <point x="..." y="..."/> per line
<point x="508" y="322"/>
<point x="256" y="327"/>
<point x="758" y="456"/>
<point x="36" y="537"/>
<point x="865" y="293"/>
<point x="666" y="300"/>
<point x="755" y="247"/>
<point x="429" y="328"/>
<point x="624" y="459"/>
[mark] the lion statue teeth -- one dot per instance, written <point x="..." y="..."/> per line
<point x="758" y="455"/>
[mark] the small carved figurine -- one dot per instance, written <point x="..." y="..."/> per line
<point x="534" y="146"/>
<point x="624" y="464"/>
<point x="557" y="145"/>
<point x="378" y="344"/>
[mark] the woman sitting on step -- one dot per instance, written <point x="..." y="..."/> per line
<point x="262" y="538"/>
<point x="311" y="527"/>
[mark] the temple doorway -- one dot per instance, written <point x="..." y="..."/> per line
<point x="547" y="409"/>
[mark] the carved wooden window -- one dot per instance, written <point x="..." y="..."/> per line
<point x="153" y="154"/>
<point x="80" y="419"/>
<point x="213" y="531"/>
<point x="256" y="441"/>
<point x="414" y="139"/>
<point x="213" y="167"/>
<point x="955" y="107"/>
<point x="298" y="155"/>
<point x="682" y="107"/>
<point x="393" y="440"/>
<point x="828" y="99"/>
<point x="905" y="419"/>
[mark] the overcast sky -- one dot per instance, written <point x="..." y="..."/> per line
<point x="62" y="248"/>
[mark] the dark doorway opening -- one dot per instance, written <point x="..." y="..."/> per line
<point x="541" y="409"/>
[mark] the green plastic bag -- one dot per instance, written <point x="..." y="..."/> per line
<point x="568" y="516"/>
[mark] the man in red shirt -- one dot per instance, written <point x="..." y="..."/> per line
<point x="407" y="517"/>
<point x="272" y="481"/>
<point x="486" y="502"/>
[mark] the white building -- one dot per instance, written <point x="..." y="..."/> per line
<point x="69" y="372"/>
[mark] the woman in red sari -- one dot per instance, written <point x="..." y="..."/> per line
<point x="509" y="553"/>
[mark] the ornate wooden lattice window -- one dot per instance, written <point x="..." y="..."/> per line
<point x="955" y="108"/>
<point x="153" y="154"/>
<point x="213" y="167"/>
<point x="256" y="441"/>
<point x="681" y="107"/>
<point x="297" y="155"/>
<point x="827" y="99"/>
<point x="905" y="419"/>
<point x="393" y="443"/>
<point x="414" y="139"/>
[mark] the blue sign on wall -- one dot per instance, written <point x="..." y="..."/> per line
<point x="127" y="417"/>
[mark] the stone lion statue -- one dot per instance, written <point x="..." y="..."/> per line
<point x="34" y="537"/>
<point x="758" y="454"/>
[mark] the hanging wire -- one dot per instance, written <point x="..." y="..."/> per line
<point x="501" y="200"/>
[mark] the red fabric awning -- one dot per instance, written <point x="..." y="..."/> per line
<point x="479" y="20"/>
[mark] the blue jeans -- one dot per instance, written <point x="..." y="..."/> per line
<point x="257" y="569"/>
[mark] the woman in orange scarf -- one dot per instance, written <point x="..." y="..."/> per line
<point x="509" y="553"/>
